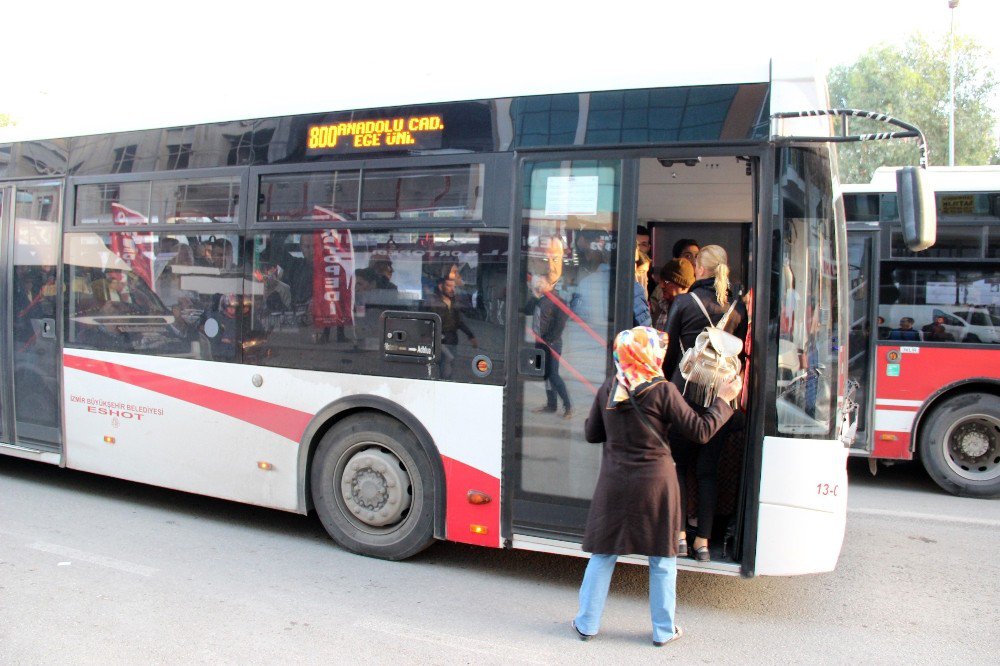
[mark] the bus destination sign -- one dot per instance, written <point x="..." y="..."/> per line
<point x="399" y="133"/>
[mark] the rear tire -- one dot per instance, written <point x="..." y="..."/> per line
<point x="960" y="445"/>
<point x="372" y="486"/>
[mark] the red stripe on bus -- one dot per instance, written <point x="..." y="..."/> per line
<point x="894" y="445"/>
<point x="284" y="421"/>
<point x="462" y="516"/>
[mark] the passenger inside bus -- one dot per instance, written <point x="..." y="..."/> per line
<point x="687" y="320"/>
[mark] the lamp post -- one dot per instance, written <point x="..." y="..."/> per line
<point x="952" y="4"/>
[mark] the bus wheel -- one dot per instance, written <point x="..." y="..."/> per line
<point x="372" y="486"/>
<point x="960" y="445"/>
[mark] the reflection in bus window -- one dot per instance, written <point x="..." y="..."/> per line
<point x="149" y="293"/>
<point x="180" y="201"/>
<point x="320" y="295"/>
<point x="808" y="347"/>
<point x="946" y="304"/>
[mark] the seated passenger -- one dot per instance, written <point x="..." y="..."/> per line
<point x="112" y="294"/>
<point x="936" y="331"/>
<point x="905" y="332"/>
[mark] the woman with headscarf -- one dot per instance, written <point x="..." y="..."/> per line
<point x="713" y="292"/>
<point x="636" y="504"/>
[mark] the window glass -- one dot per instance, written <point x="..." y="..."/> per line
<point x="155" y="293"/>
<point x="329" y="196"/>
<point x="33" y="304"/>
<point x="861" y="207"/>
<point x="993" y="244"/>
<point x="955" y="242"/>
<point x="967" y="206"/>
<point x="939" y="303"/>
<point x="319" y="297"/>
<point x="454" y="192"/>
<point x="809" y="344"/>
<point x="113" y="203"/>
<point x="570" y="216"/>
<point x="182" y="201"/>
<point x="860" y="261"/>
<point x="205" y="201"/>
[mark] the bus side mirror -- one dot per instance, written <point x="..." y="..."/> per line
<point x="917" y="210"/>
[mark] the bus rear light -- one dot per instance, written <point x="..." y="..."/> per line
<point x="888" y="437"/>
<point x="264" y="465"/>
<point x="478" y="529"/>
<point x="478" y="497"/>
<point x="108" y="439"/>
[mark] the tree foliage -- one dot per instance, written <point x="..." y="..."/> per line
<point x="912" y="83"/>
<point x="6" y="120"/>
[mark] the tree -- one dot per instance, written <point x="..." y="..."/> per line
<point x="6" y="120"/>
<point x="911" y="83"/>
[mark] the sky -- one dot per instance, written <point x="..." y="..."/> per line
<point x="108" y="65"/>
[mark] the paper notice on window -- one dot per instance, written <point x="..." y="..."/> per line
<point x="941" y="293"/>
<point x="571" y="195"/>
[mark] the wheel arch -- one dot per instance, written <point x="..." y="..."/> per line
<point x="972" y="385"/>
<point x="353" y="405"/>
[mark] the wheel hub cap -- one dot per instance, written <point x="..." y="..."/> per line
<point x="375" y="487"/>
<point x="974" y="443"/>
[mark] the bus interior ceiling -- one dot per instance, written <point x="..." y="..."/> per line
<point x="710" y="202"/>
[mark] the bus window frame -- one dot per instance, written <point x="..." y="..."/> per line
<point x="496" y="191"/>
<point x="69" y="211"/>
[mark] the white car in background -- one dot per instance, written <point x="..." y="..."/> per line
<point x="980" y="325"/>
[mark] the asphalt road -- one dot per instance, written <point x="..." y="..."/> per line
<point x="95" y="570"/>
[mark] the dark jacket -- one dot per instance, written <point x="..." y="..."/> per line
<point x="687" y="321"/>
<point x="636" y="505"/>
<point x="549" y="319"/>
<point x="451" y="319"/>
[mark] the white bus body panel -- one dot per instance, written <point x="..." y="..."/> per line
<point x="186" y="443"/>
<point x="803" y="506"/>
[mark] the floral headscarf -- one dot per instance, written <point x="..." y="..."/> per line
<point x="638" y="355"/>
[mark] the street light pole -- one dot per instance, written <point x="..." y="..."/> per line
<point x="951" y="85"/>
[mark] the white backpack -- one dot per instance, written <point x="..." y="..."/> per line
<point x="712" y="361"/>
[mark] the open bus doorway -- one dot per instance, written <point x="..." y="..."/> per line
<point x="710" y="201"/>
<point x="578" y="252"/>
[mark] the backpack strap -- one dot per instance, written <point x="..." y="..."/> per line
<point x="725" y="317"/>
<point x="702" y="306"/>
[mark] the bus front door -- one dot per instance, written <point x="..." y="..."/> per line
<point x="31" y="239"/>
<point x="865" y="328"/>
<point x="565" y="289"/>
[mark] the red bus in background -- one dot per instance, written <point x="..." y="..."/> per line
<point x="925" y="329"/>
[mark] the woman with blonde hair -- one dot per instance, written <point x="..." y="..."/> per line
<point x="713" y="292"/>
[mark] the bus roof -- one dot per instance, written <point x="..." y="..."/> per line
<point x="794" y="85"/>
<point x="941" y="179"/>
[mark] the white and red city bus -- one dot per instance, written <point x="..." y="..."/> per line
<point x="925" y="329"/>
<point x="332" y="311"/>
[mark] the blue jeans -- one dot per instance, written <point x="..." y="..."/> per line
<point x="662" y="594"/>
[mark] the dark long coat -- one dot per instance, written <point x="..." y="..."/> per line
<point x="636" y="505"/>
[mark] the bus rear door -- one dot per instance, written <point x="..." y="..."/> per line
<point x="31" y="235"/>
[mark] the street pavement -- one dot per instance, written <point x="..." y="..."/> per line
<point x="97" y="570"/>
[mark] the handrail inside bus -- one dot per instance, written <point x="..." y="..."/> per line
<point x="909" y="131"/>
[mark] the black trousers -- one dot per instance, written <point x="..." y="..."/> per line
<point x="704" y="458"/>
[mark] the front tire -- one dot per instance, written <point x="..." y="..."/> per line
<point x="372" y="486"/>
<point x="960" y="445"/>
